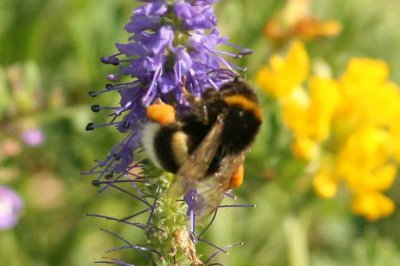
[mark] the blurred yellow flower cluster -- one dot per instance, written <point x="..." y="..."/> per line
<point x="349" y="127"/>
<point x="296" y="20"/>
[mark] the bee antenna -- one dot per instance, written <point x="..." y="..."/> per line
<point x="223" y="73"/>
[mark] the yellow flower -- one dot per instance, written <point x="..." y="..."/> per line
<point x="324" y="183"/>
<point x="324" y="98"/>
<point x="294" y="108"/>
<point x="285" y="74"/>
<point x="367" y="148"/>
<point x="295" y="20"/>
<point x="365" y="72"/>
<point x="353" y="121"/>
<point x="368" y="97"/>
<point x="305" y="148"/>
<point x="373" y="205"/>
<point x="395" y="140"/>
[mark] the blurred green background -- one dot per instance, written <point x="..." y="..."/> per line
<point x="50" y="58"/>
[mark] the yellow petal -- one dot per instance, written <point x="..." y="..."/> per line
<point x="285" y="74"/>
<point x="294" y="111"/>
<point x="366" y="71"/>
<point x="324" y="99"/>
<point x="373" y="206"/>
<point x="305" y="148"/>
<point x="298" y="62"/>
<point x="324" y="184"/>
<point x="384" y="178"/>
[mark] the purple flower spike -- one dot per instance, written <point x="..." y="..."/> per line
<point x="174" y="49"/>
<point x="173" y="44"/>
<point x="10" y="207"/>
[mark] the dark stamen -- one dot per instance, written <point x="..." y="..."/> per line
<point x="140" y="248"/>
<point x="209" y="224"/>
<point x="237" y="206"/>
<point x="153" y="207"/>
<point x="134" y="215"/>
<point x="246" y="51"/>
<point x="132" y="195"/>
<point x="126" y="124"/>
<point x="222" y="250"/>
<point x="138" y="225"/>
<point x="112" y="77"/>
<point x="110" y="87"/>
<point x="89" y="127"/>
<point x="109" y="176"/>
<point x="113" y="261"/>
<point x="213" y="245"/>
<point x="92" y="93"/>
<point x="242" y="50"/>
<point x="92" y="126"/>
<point x="110" y="60"/>
<point x="96" y="183"/>
<point x="229" y="54"/>
<point x="135" y="247"/>
<point x="117" y="110"/>
<point x="95" y="108"/>
<point x="119" y="181"/>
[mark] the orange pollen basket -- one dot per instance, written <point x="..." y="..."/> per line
<point x="161" y="113"/>
<point x="237" y="178"/>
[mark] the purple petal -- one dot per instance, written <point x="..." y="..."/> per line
<point x="146" y="17"/>
<point x="10" y="208"/>
<point x="33" y="137"/>
<point x="151" y="9"/>
<point x="183" y="62"/>
<point x="195" y="16"/>
<point x="141" y="23"/>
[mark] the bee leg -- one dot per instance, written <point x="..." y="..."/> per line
<point x="237" y="178"/>
<point x="189" y="97"/>
<point x="161" y="113"/>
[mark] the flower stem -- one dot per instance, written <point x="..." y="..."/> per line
<point x="168" y="230"/>
<point x="296" y="237"/>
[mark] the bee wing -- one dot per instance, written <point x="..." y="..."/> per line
<point x="195" y="167"/>
<point x="211" y="190"/>
<point x="192" y="174"/>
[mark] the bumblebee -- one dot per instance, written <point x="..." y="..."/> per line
<point x="205" y="146"/>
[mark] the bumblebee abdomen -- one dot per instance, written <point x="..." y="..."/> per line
<point x="167" y="146"/>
